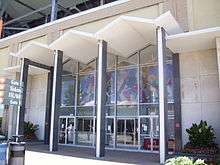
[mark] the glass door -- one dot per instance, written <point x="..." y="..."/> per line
<point x="109" y="132"/>
<point x="66" y="130"/>
<point x="62" y="130"/>
<point x="84" y="135"/>
<point x="70" y="130"/>
<point x="149" y="133"/>
<point x="127" y="134"/>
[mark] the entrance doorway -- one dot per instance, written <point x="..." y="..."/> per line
<point x="127" y="132"/>
<point x="149" y="133"/>
<point x="67" y="130"/>
<point x="85" y="131"/>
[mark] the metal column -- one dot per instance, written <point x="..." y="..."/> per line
<point x="56" y="99"/>
<point x="48" y="107"/>
<point x="101" y="99"/>
<point x="21" y="109"/>
<point x="161" y="45"/>
<point x="53" y="14"/>
<point x="177" y="103"/>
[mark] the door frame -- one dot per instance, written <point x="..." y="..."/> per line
<point x="66" y="123"/>
<point x="151" y="134"/>
<point x="135" y="119"/>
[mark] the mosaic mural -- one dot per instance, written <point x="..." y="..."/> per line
<point x="68" y="91"/>
<point x="127" y="86"/>
<point x="86" y="90"/>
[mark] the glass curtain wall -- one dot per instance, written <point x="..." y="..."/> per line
<point x="132" y="106"/>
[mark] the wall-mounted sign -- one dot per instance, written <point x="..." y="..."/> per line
<point x="10" y="92"/>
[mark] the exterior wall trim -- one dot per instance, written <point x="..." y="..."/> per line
<point x="85" y="17"/>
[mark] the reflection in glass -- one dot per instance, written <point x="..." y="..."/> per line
<point x="148" y="55"/>
<point x="87" y="68"/>
<point x="145" y="133"/>
<point x="169" y="82"/>
<point x="127" y="86"/>
<point x="86" y="90"/>
<point x="127" y="110"/>
<point x="149" y="110"/>
<point x="109" y="131"/>
<point x="110" y="111"/>
<point x="130" y="61"/>
<point x="110" y="87"/>
<point x="149" y="92"/>
<point x="84" y="134"/>
<point x="68" y="91"/>
<point x="62" y="130"/>
<point x="70" y="130"/>
<point x="127" y="133"/>
<point x="149" y="87"/>
<point x="84" y="111"/>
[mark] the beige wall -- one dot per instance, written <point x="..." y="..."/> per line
<point x="200" y="92"/>
<point x="42" y="39"/>
<point x="218" y="56"/>
<point x="36" y="102"/>
<point x="203" y="14"/>
<point x="3" y="60"/>
<point x="149" y="12"/>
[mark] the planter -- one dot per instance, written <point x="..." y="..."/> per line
<point x="210" y="150"/>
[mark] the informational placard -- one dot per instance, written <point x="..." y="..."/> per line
<point x="10" y="92"/>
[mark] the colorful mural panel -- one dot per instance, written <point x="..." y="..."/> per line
<point x="127" y="86"/>
<point x="68" y="91"/>
<point x="110" y="87"/>
<point x="86" y="90"/>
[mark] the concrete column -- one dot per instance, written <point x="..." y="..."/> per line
<point x="21" y="109"/>
<point x="218" y="56"/>
<point x="56" y="99"/>
<point x="101" y="99"/>
<point x="161" y="44"/>
<point x="48" y="107"/>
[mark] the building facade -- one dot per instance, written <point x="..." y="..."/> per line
<point x="161" y="74"/>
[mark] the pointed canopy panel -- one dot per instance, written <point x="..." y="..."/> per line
<point x="32" y="70"/>
<point x="78" y="45"/>
<point x="125" y="35"/>
<point x="193" y="41"/>
<point x="37" y="52"/>
<point x="168" y="22"/>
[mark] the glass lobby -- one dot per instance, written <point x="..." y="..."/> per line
<point x="132" y="106"/>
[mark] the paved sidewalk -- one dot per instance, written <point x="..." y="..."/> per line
<point x="36" y="158"/>
<point x="39" y="155"/>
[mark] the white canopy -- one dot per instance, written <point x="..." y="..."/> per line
<point x="32" y="70"/>
<point x="193" y="41"/>
<point x="125" y="36"/>
<point x="37" y="52"/>
<point x="80" y="46"/>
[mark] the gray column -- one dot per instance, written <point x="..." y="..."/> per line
<point x="21" y="109"/>
<point x="161" y="45"/>
<point x="177" y="103"/>
<point x="48" y="107"/>
<point x="101" y="99"/>
<point x="53" y="14"/>
<point x="56" y="99"/>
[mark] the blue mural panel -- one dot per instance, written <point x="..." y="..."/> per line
<point x="127" y="86"/>
<point x="68" y="91"/>
<point x="110" y="94"/>
<point x="86" y="90"/>
<point x="149" y="86"/>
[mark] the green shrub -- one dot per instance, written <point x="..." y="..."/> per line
<point x="184" y="161"/>
<point x="201" y="135"/>
<point x="30" y="130"/>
